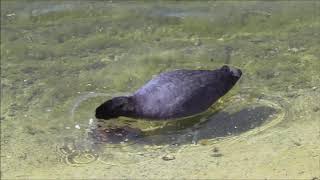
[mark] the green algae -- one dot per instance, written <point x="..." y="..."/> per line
<point x="52" y="52"/>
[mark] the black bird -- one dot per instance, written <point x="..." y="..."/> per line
<point x="174" y="94"/>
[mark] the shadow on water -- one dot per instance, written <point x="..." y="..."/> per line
<point x="220" y="124"/>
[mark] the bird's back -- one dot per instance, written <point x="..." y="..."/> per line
<point x="178" y="93"/>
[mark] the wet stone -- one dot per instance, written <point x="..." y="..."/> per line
<point x="216" y="155"/>
<point x="296" y="143"/>
<point x="168" y="157"/>
<point x="216" y="152"/>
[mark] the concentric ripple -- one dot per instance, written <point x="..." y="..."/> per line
<point x="232" y="119"/>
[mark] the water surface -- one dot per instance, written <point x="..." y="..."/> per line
<point x="61" y="59"/>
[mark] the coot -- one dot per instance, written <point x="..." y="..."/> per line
<point x="174" y="94"/>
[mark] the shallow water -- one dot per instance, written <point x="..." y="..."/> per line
<point x="60" y="59"/>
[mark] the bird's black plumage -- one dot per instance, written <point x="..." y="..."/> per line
<point x="173" y="94"/>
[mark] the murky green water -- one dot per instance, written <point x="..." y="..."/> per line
<point x="60" y="59"/>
